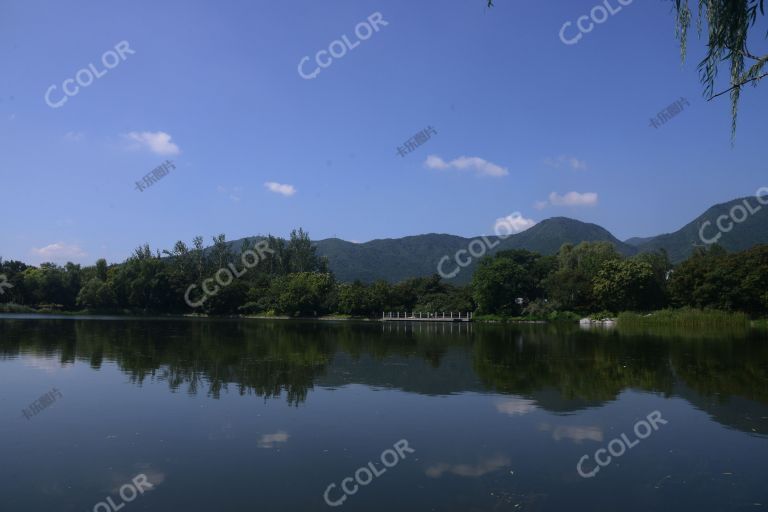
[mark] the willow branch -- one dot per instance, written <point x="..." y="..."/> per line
<point x="736" y="86"/>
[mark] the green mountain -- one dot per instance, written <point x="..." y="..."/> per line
<point x="753" y="230"/>
<point x="397" y="259"/>
<point x="390" y="259"/>
<point x="636" y="241"/>
<point x="549" y="235"/>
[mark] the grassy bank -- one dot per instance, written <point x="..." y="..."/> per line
<point x="15" y="308"/>
<point x="555" y="316"/>
<point x="687" y="318"/>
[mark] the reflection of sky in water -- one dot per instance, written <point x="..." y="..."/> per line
<point x="46" y="364"/>
<point x="480" y="468"/>
<point x="516" y="406"/>
<point x="576" y="434"/>
<point x="269" y="440"/>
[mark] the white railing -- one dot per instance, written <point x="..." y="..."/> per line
<point x="443" y="316"/>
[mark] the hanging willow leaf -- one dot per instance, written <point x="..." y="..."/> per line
<point x="728" y="24"/>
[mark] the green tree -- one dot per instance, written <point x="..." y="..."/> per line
<point x="302" y="254"/>
<point x="571" y="284"/>
<point x="142" y="283"/>
<point x="96" y="295"/>
<point x="14" y="273"/>
<point x="101" y="269"/>
<point x="497" y="284"/>
<point x="303" y="293"/>
<point x="355" y="299"/>
<point x="699" y="281"/>
<point x="626" y="285"/>
<point x="52" y="284"/>
<point x="712" y="278"/>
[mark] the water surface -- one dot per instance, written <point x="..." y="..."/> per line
<point x="233" y="415"/>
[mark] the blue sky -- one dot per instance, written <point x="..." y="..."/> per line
<point x="215" y="88"/>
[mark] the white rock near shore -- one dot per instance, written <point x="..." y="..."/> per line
<point x="605" y="322"/>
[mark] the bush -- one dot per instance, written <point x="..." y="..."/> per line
<point x="563" y="316"/>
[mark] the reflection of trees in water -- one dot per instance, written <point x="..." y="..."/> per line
<point x="561" y="367"/>
<point x="581" y="366"/>
<point x="263" y="358"/>
<point x="599" y="365"/>
<point x="727" y="377"/>
<point x="720" y="369"/>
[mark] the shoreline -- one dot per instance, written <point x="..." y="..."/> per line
<point x="663" y="318"/>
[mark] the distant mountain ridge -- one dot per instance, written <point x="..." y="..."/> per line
<point x="753" y="230"/>
<point x="397" y="259"/>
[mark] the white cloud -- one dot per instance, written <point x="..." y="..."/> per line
<point x="570" y="161"/>
<point x="157" y="142"/>
<point x="573" y="199"/>
<point x="269" y="440"/>
<point x="60" y="252"/>
<point x="514" y="223"/>
<point x="280" y="188"/>
<point x="569" y="199"/>
<point x="463" y="163"/>
<point x="483" y="467"/>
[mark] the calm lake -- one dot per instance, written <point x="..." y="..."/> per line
<point x="233" y="415"/>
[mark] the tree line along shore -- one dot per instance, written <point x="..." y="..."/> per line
<point x="291" y="280"/>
